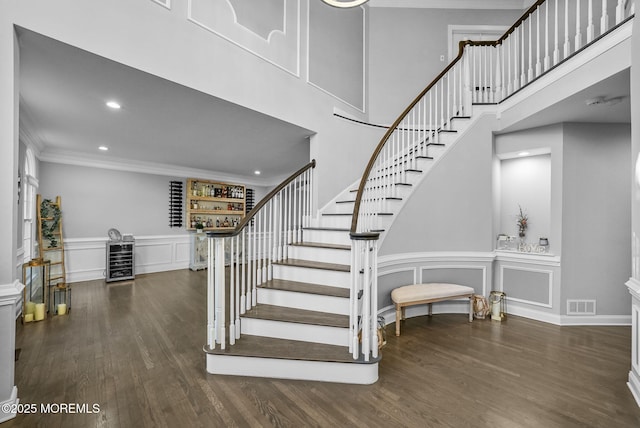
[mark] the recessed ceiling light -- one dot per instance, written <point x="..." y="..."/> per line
<point x="114" y="105"/>
<point x="523" y="154"/>
<point x="256" y="172"/>
<point x="103" y="148"/>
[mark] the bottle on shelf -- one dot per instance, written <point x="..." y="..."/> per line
<point x="217" y="221"/>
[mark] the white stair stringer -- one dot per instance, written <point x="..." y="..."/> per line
<point x="280" y="368"/>
<point x="342" y="203"/>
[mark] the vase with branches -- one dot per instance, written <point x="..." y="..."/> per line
<point x="522" y="222"/>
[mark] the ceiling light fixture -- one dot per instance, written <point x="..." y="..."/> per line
<point x="103" y="148"/>
<point x="345" y="4"/>
<point x="114" y="105"/>
<point x="256" y="172"/>
<point x="524" y="154"/>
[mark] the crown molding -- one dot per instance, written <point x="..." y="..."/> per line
<point x="28" y="133"/>
<point x="452" y="4"/>
<point x="119" y="164"/>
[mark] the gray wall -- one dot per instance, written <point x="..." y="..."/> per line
<point x="452" y="209"/>
<point x="635" y="142"/>
<point x="95" y="200"/>
<point x="596" y="217"/>
<point x="405" y="48"/>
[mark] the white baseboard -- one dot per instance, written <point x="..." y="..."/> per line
<point x="12" y="403"/>
<point x="389" y="315"/>
<point x="86" y="257"/>
<point x="634" y="386"/>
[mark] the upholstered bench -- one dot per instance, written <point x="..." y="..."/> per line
<point x="419" y="294"/>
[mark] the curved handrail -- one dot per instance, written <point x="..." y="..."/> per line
<point x="403" y="115"/>
<point x="243" y="223"/>
<point x="391" y="130"/>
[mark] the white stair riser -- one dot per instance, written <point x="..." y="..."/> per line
<point x="327" y="236"/>
<point x="391" y="206"/>
<point x="306" y="301"/>
<point x="326" y="255"/>
<point x="381" y="222"/>
<point x="314" y="276"/>
<point x="350" y="373"/>
<point x="338" y="221"/>
<point x="295" y="331"/>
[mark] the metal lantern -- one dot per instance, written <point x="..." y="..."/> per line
<point x="35" y="277"/>
<point x="497" y="302"/>
<point x="60" y="298"/>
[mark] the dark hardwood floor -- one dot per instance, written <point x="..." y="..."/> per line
<point x="135" y="349"/>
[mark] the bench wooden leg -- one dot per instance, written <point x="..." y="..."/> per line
<point x="471" y="309"/>
<point x="399" y="316"/>
<point x="430" y="309"/>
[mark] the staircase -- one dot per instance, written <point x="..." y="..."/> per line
<point x="299" y="328"/>
<point x="299" y="298"/>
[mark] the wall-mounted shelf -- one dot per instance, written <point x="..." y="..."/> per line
<point x="215" y="205"/>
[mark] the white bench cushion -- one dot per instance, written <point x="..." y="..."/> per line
<point x="416" y="292"/>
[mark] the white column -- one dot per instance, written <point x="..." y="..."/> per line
<point x="634" y="374"/>
<point x="10" y="287"/>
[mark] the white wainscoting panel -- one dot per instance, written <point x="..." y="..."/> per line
<point x="86" y="257"/>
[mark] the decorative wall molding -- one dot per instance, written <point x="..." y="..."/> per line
<point x="281" y="48"/>
<point x="86" y="257"/>
<point x="430" y="257"/>
<point x="548" y="304"/>
<point x="528" y="258"/>
<point x="482" y="269"/>
<point x="163" y="3"/>
<point x="360" y="108"/>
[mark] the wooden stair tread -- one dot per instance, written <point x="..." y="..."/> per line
<point x="321" y="245"/>
<point x="299" y="316"/>
<point x="314" y="265"/>
<point x="330" y="229"/>
<point x="305" y="287"/>
<point x="264" y="347"/>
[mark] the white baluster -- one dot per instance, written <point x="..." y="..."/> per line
<point x="468" y="95"/>
<point x="509" y="80"/>
<point x="237" y="286"/>
<point x="373" y="254"/>
<point x="590" y="26"/>
<point x="211" y="301"/>
<point x="220" y="293"/>
<point x="567" y="44"/>
<point x="556" y="49"/>
<point x="448" y="113"/>
<point x="366" y="303"/>
<point x="547" y="58"/>
<point x="530" y="69"/>
<point x="249" y="267"/>
<point x="578" y="40"/>
<point x="604" y="19"/>
<point x="244" y="302"/>
<point x="538" y="63"/>
<point x="619" y="11"/>
<point x="232" y="301"/>
<point x="498" y="92"/>
<point x="264" y="256"/>
<point x="523" y="68"/>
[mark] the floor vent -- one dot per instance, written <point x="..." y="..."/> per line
<point x="581" y="307"/>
